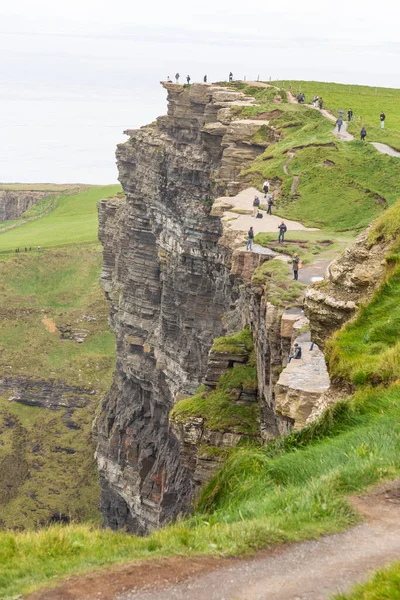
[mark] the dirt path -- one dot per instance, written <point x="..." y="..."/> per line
<point x="344" y="135"/>
<point x="312" y="570"/>
<point x="385" y="149"/>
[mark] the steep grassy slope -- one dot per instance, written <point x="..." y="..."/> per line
<point x="49" y="300"/>
<point x="366" y="102"/>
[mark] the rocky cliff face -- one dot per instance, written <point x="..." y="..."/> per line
<point x="168" y="282"/>
<point x="350" y="280"/>
<point x="176" y="280"/>
<point x="14" y="203"/>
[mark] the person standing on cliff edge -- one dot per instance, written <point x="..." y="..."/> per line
<point x="177" y="78"/>
<point x="295" y="266"/>
<point x="188" y="79"/>
<point x="205" y="78"/>
<point x="250" y="238"/>
<point x="231" y="76"/>
<point x="282" y="230"/>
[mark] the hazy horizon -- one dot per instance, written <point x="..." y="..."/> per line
<point x="75" y="76"/>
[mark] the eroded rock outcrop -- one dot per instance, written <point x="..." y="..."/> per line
<point x="14" y="203"/>
<point x="350" y="280"/>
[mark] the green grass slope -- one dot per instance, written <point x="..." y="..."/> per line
<point x="366" y="102"/>
<point x="73" y="221"/>
<point x="46" y="456"/>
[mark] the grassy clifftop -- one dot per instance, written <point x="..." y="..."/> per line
<point x="365" y="101"/>
<point x="323" y="181"/>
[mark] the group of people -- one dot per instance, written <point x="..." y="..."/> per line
<point x="17" y="250"/>
<point x="318" y="102"/>
<point x="188" y="78"/>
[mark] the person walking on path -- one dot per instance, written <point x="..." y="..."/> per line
<point x="231" y="76"/>
<point x="349" y="114"/>
<point x="266" y="187"/>
<point x="270" y="203"/>
<point x="341" y="112"/>
<point x="321" y="103"/>
<point x="382" y="118"/>
<point x="250" y="238"/>
<point x="363" y="134"/>
<point x="315" y="101"/>
<point x="296" y="352"/>
<point x="256" y="205"/>
<point x="188" y="79"/>
<point x="282" y="230"/>
<point x="339" y="124"/>
<point x="177" y="78"/>
<point x="295" y="266"/>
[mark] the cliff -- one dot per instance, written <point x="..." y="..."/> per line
<point x="14" y="203"/>
<point x="168" y="283"/>
<point x="176" y="279"/>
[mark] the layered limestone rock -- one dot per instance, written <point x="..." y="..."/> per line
<point x="350" y="280"/>
<point x="168" y="282"/>
<point x="177" y="278"/>
<point x="14" y="203"/>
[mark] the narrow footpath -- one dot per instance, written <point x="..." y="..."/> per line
<point x="344" y="135"/>
<point x="311" y="570"/>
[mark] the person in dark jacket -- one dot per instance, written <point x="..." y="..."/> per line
<point x="205" y="78"/>
<point x="188" y="79"/>
<point x="295" y="266"/>
<point x="250" y="238"/>
<point x="382" y="118"/>
<point x="363" y="134"/>
<point x="296" y="354"/>
<point x="339" y="124"/>
<point x="231" y="76"/>
<point x="282" y="230"/>
<point x="270" y="202"/>
<point x="256" y="205"/>
<point x="349" y="114"/>
<point x="320" y="103"/>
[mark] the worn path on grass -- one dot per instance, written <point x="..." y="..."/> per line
<point x="311" y="570"/>
<point x="344" y="135"/>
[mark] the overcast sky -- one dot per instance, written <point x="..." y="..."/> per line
<point x="74" y="74"/>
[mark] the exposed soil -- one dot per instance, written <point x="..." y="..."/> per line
<point x="311" y="570"/>
<point x="49" y="324"/>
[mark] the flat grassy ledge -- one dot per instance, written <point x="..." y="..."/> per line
<point x="218" y="409"/>
<point x="234" y="344"/>
<point x="274" y="276"/>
